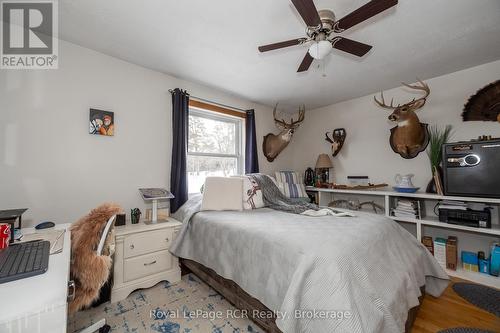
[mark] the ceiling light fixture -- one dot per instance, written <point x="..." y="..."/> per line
<point x="320" y="49"/>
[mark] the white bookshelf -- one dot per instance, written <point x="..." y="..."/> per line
<point x="481" y="236"/>
<point x="434" y="221"/>
<point x="418" y="195"/>
<point x="486" y="279"/>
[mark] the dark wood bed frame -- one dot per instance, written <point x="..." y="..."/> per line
<point x="243" y="301"/>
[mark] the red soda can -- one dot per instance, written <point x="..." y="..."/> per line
<point x="4" y="235"/>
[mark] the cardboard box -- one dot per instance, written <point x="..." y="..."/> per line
<point x="427" y="241"/>
<point x="451" y="253"/>
<point x="440" y="251"/>
<point x="470" y="261"/>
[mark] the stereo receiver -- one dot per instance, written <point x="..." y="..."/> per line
<point x="469" y="217"/>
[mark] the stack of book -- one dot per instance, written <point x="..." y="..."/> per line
<point x="450" y="204"/>
<point x="407" y="208"/>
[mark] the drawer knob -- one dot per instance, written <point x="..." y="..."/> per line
<point x="168" y="240"/>
<point x="132" y="246"/>
<point x="150" y="263"/>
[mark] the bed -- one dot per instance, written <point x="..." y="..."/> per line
<point x="361" y="274"/>
<point x="255" y="310"/>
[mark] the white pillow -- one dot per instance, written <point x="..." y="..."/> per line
<point x="222" y="193"/>
<point x="252" y="194"/>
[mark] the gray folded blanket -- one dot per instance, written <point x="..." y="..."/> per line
<point x="273" y="198"/>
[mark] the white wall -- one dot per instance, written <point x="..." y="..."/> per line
<point x="51" y="165"/>
<point x="366" y="150"/>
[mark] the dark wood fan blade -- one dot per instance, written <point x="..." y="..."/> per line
<point x="352" y="47"/>
<point x="363" y="13"/>
<point x="306" y="62"/>
<point x="308" y="11"/>
<point x="287" y="43"/>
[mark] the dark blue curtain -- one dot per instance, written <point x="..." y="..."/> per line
<point x="178" y="171"/>
<point x="251" y="158"/>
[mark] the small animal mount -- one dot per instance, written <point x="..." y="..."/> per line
<point x="484" y="105"/>
<point x="355" y="205"/>
<point x="273" y="144"/>
<point x="410" y="137"/>
<point x="337" y="140"/>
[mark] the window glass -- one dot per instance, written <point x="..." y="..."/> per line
<point x="214" y="147"/>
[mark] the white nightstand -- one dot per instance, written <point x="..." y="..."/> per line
<point x="142" y="258"/>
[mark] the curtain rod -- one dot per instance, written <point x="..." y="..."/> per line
<point x="212" y="102"/>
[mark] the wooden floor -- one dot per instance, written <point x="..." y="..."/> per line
<point x="450" y="310"/>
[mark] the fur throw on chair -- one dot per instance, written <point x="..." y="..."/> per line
<point x="89" y="270"/>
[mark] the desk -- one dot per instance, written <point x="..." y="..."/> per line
<point x="38" y="304"/>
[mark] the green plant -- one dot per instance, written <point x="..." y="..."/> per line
<point x="437" y="137"/>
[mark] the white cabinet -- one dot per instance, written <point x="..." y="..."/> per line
<point x="142" y="258"/>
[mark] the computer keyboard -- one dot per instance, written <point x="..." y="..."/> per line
<point x="23" y="260"/>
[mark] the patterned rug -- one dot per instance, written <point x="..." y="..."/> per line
<point x="464" y="330"/>
<point x="189" y="306"/>
<point x="483" y="297"/>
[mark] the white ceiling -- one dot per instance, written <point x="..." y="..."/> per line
<point x="215" y="43"/>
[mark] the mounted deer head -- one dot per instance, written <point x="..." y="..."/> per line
<point x="409" y="137"/>
<point x="273" y="144"/>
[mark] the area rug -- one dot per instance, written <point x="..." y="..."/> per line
<point x="481" y="296"/>
<point x="189" y="306"/>
<point x="464" y="330"/>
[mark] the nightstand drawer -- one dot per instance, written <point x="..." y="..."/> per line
<point x="147" y="242"/>
<point x="148" y="264"/>
<point x="142" y="258"/>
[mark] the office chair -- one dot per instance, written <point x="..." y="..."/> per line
<point x="92" y="244"/>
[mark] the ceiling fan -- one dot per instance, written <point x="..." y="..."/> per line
<point x="322" y="29"/>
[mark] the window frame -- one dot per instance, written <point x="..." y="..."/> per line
<point x="227" y="117"/>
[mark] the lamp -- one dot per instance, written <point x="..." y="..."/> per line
<point x="320" y="49"/>
<point x="323" y="164"/>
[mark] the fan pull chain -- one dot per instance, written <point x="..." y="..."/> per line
<point x="323" y="74"/>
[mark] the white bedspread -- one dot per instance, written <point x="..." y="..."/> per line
<point x="366" y="265"/>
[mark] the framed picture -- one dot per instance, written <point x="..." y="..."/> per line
<point x="102" y="122"/>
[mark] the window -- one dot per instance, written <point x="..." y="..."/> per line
<point x="214" y="146"/>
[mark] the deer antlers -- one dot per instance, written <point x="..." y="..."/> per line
<point x="420" y="86"/>
<point x="382" y="103"/>
<point x="293" y="123"/>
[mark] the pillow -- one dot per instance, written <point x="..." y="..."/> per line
<point x="222" y="193"/>
<point x="268" y="176"/>
<point x="252" y="195"/>
<point x="293" y="190"/>
<point x="290" y="177"/>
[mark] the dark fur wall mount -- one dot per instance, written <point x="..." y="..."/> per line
<point x="484" y="105"/>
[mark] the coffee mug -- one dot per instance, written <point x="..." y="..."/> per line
<point x="4" y="235"/>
